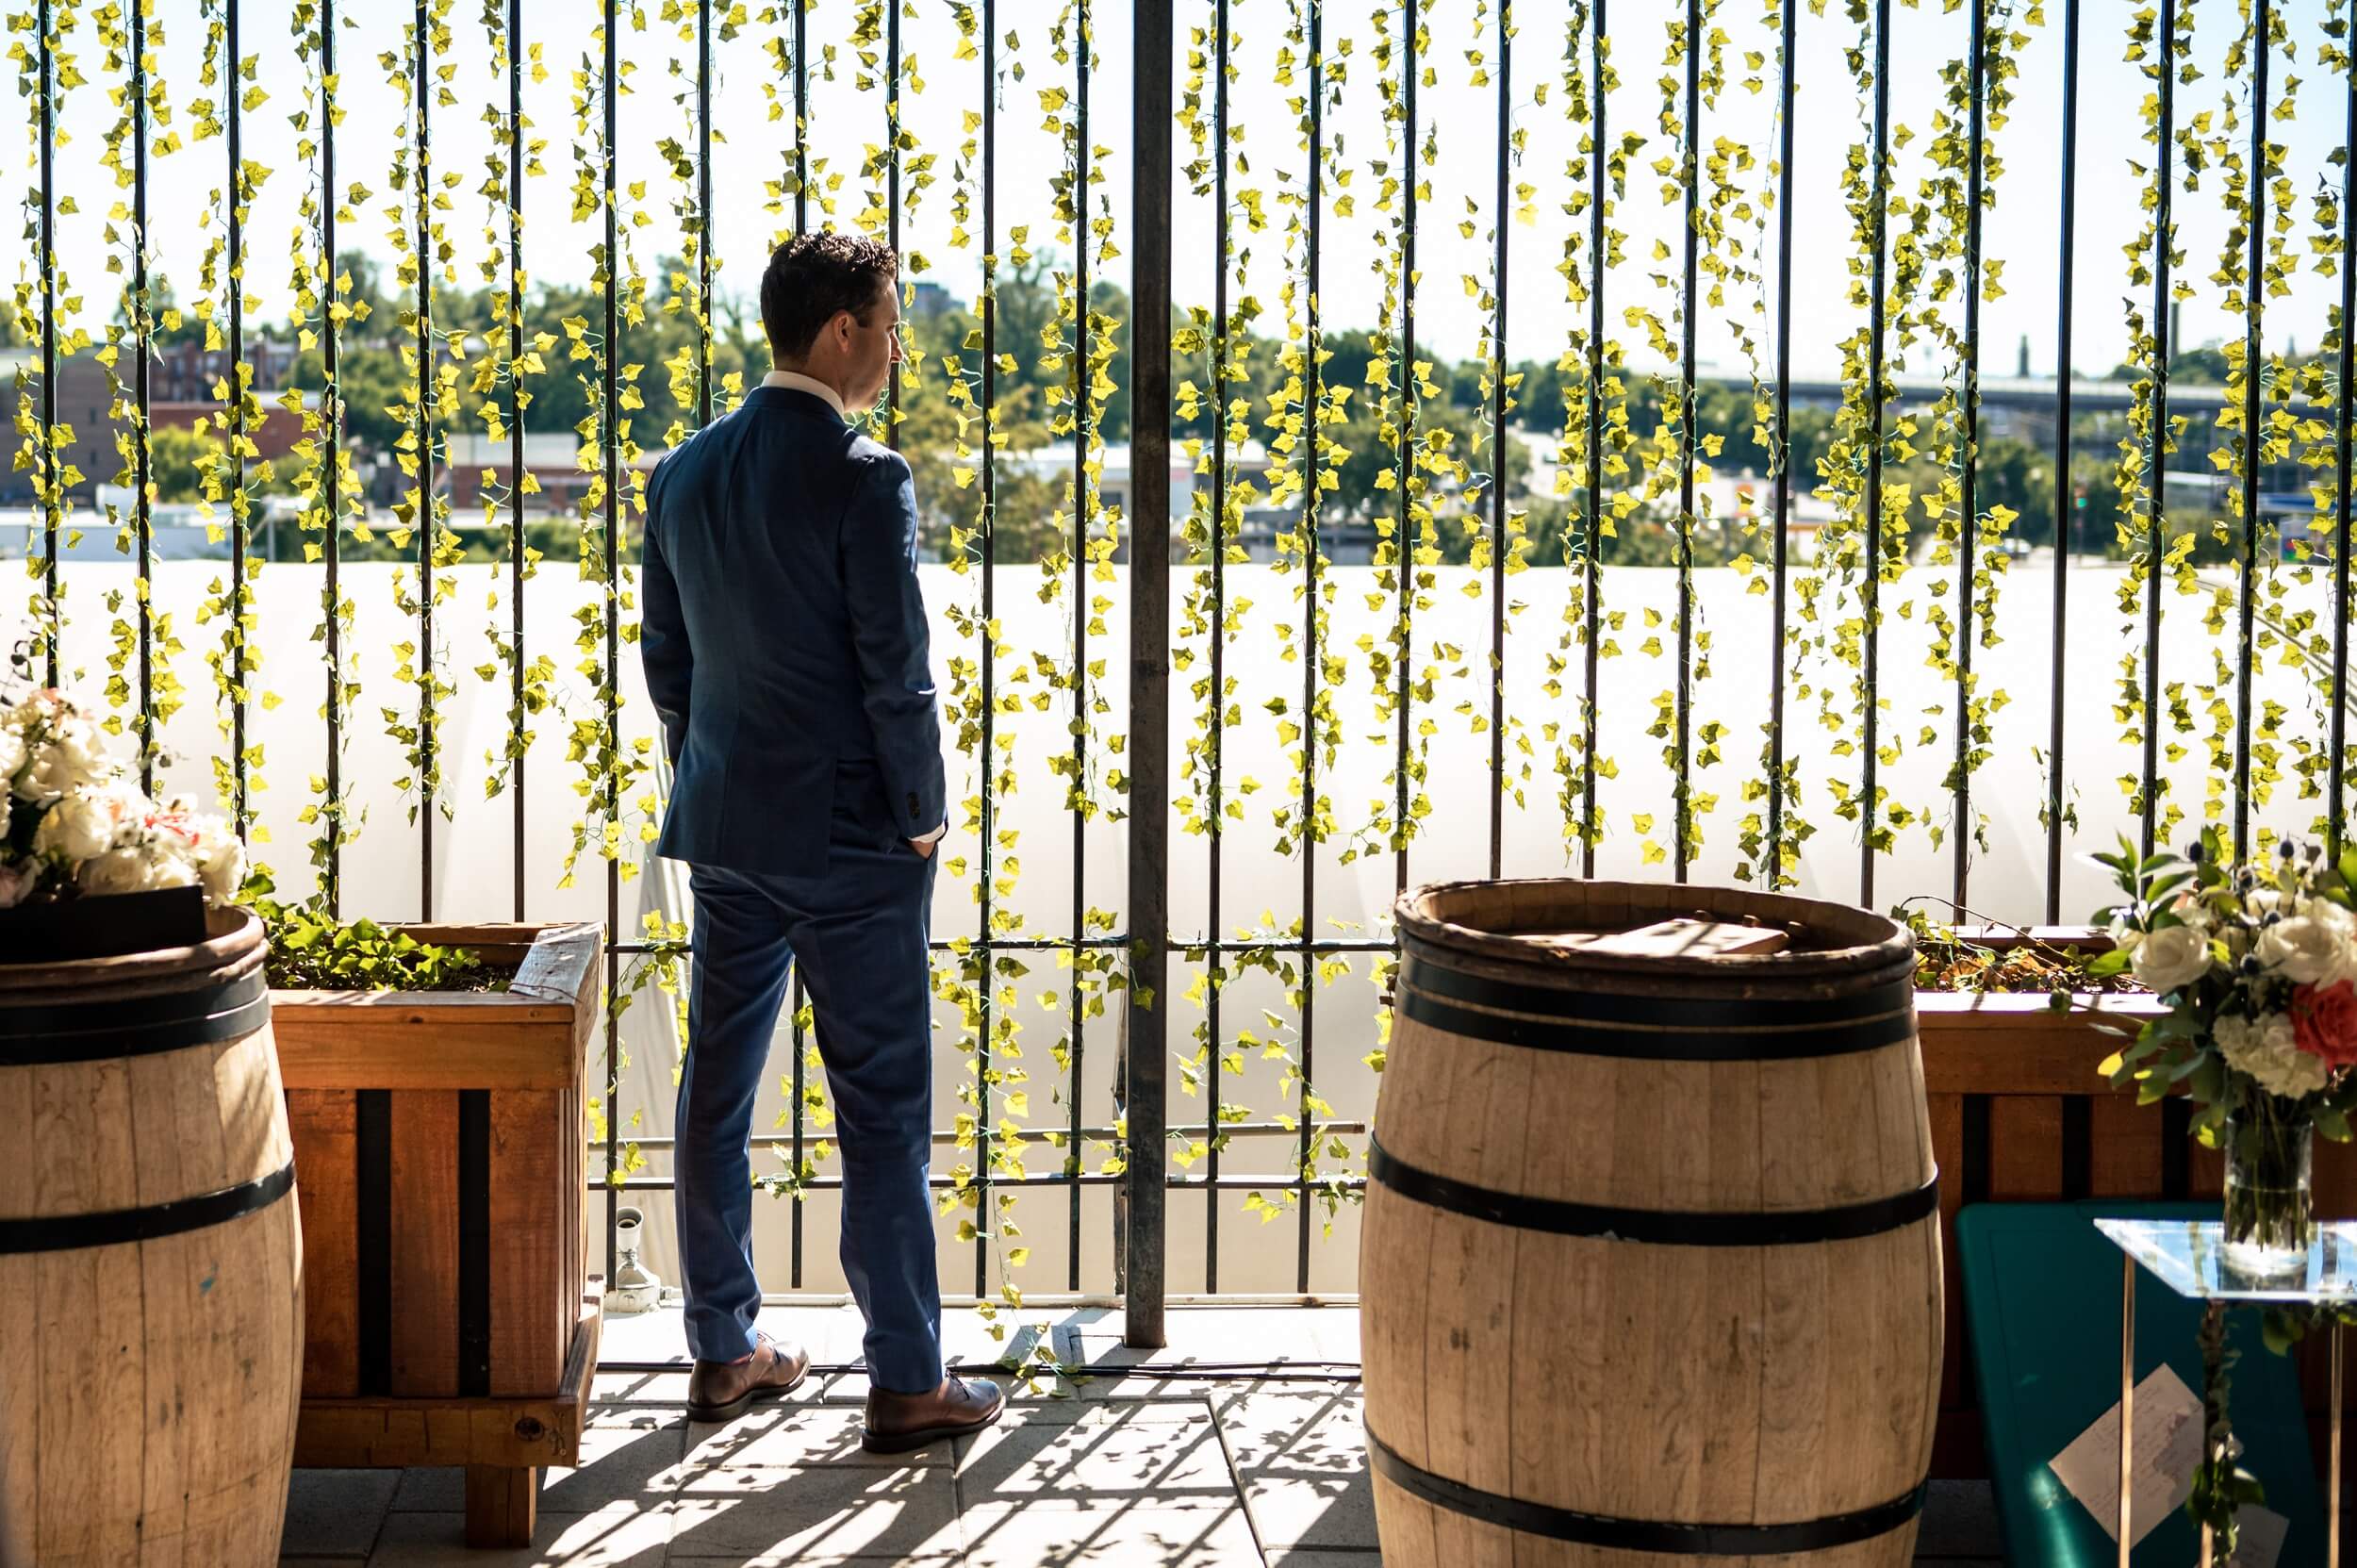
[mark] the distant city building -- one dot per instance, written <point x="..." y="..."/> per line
<point x="927" y="300"/>
<point x="551" y="457"/>
<point x="185" y="371"/>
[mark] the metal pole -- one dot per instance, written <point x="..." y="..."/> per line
<point x="1497" y="453"/>
<point x="331" y="440"/>
<point x="2345" y="427"/>
<point x="1783" y="485"/>
<point x="988" y="750"/>
<point x="516" y="547"/>
<point x="1591" y="823"/>
<point x="1147" y="1048"/>
<point x="609" y="413"/>
<point x="424" y="519"/>
<point x="1878" y="326"/>
<point x="2065" y="510"/>
<point x="892" y="201"/>
<point x="703" y="203"/>
<point x="2253" y="437"/>
<point x="2156" y="473"/>
<point x="1081" y="427"/>
<point x="238" y="658"/>
<point x="143" y="459"/>
<point x="1315" y="390"/>
<point x="53" y="630"/>
<point x="1405" y="654"/>
<point x="1969" y="528"/>
<point x="1688" y="444"/>
<point x="1216" y="736"/>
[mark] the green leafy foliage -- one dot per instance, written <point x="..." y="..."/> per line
<point x="312" y="951"/>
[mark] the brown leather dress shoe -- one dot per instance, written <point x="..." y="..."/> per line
<point x="897" y="1423"/>
<point x="722" y="1391"/>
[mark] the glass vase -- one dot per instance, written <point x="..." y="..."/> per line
<point x="2271" y="1217"/>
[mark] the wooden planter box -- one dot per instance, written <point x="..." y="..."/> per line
<point x="439" y="1154"/>
<point x="2019" y="1113"/>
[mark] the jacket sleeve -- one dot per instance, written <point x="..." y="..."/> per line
<point x="670" y="664"/>
<point x="878" y="554"/>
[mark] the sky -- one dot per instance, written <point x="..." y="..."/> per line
<point x="1456" y="219"/>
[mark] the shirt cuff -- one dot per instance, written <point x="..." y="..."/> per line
<point x="933" y="837"/>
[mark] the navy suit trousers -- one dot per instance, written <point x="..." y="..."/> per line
<point x="860" y="936"/>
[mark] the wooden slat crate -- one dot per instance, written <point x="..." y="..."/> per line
<point x="438" y="1143"/>
<point x="2019" y="1113"/>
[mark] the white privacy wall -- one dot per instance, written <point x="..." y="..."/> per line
<point x="474" y="849"/>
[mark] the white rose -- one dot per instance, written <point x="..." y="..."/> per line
<point x="2268" y="1051"/>
<point x="12" y="752"/>
<point x="2305" y="951"/>
<point x="2169" y="958"/>
<point x="70" y="758"/>
<point x="83" y="824"/>
<point x="124" y="870"/>
<point x="220" y="858"/>
<point x="17" y="880"/>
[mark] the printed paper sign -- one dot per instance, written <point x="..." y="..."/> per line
<point x="2167" y="1451"/>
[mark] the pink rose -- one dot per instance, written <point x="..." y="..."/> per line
<point x="2324" y="1022"/>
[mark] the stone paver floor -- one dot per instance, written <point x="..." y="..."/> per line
<point x="1219" y="1470"/>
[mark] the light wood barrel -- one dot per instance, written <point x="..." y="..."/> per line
<point x="151" y="1278"/>
<point x="1650" y="1268"/>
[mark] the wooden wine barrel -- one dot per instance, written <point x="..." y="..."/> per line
<point x="151" y="1276"/>
<point x="1649" y="1267"/>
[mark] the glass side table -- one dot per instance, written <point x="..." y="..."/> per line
<point x="2189" y="1257"/>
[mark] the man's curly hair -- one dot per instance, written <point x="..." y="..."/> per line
<point x="812" y="276"/>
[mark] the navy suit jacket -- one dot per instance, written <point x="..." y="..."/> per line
<point x="784" y="640"/>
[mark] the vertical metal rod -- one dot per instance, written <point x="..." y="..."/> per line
<point x="989" y="750"/>
<point x="1969" y="525"/>
<point x="54" y="628"/>
<point x="1215" y="961"/>
<point x="1412" y="11"/>
<point x="802" y="117"/>
<point x="1782" y="483"/>
<point x="425" y="519"/>
<point x="801" y="226"/>
<point x="516" y="541"/>
<point x="892" y="204"/>
<point x="239" y="656"/>
<point x="1146" y="1046"/>
<point x="2066" y="509"/>
<point x="1497" y="455"/>
<point x="1689" y="443"/>
<point x="608" y="415"/>
<point x="2345" y="428"/>
<point x="2156" y="516"/>
<point x="331" y="440"/>
<point x="703" y="207"/>
<point x="1591" y="823"/>
<point x="2127" y="1400"/>
<point x="142" y="458"/>
<point x="1876" y="396"/>
<point x="1314" y="388"/>
<point x="2253" y="435"/>
<point x="1081" y="426"/>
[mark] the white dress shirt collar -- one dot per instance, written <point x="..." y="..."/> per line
<point x="793" y="381"/>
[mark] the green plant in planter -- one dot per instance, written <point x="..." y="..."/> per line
<point x="311" y="949"/>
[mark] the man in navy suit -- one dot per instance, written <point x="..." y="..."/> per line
<point x="786" y="650"/>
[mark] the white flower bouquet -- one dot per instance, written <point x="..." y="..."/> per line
<point x="2257" y="965"/>
<point x="75" y="824"/>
